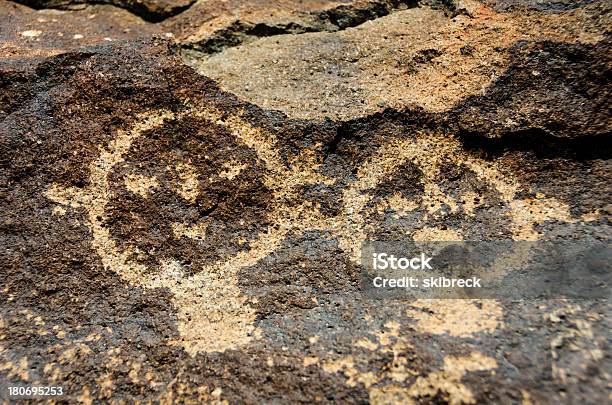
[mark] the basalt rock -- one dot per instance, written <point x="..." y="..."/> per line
<point x="171" y="237"/>
<point x="150" y="10"/>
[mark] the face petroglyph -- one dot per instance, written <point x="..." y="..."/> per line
<point x="187" y="214"/>
<point x="209" y="234"/>
<point x="406" y="177"/>
<point x="212" y="313"/>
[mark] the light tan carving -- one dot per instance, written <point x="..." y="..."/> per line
<point x="212" y="313"/>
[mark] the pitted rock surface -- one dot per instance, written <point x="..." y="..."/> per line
<point x="185" y="193"/>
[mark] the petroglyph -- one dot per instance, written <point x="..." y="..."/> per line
<point x="212" y="314"/>
<point x="457" y="318"/>
<point x="429" y="152"/>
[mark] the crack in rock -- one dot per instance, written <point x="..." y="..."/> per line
<point x="330" y="20"/>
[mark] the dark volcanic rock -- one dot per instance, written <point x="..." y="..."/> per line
<point x="150" y="10"/>
<point x="163" y="240"/>
<point x="31" y="39"/>
<point x="558" y="88"/>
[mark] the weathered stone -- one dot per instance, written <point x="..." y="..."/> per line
<point x="150" y="10"/>
<point x="210" y="27"/>
<point x="164" y="240"/>
<point x="33" y="35"/>
<point x="547" y="5"/>
<point x="380" y="64"/>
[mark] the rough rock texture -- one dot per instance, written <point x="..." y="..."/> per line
<point x="150" y="10"/>
<point x="392" y="61"/>
<point x="210" y="27"/>
<point x="544" y="5"/>
<point x="168" y="237"/>
<point x="28" y="36"/>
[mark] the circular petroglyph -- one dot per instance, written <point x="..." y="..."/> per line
<point x="429" y="188"/>
<point x="153" y="194"/>
<point x="441" y="191"/>
<point x="414" y="178"/>
<point x="188" y="191"/>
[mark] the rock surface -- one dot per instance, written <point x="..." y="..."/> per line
<point x="150" y="10"/>
<point x="393" y="61"/>
<point x="176" y="236"/>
